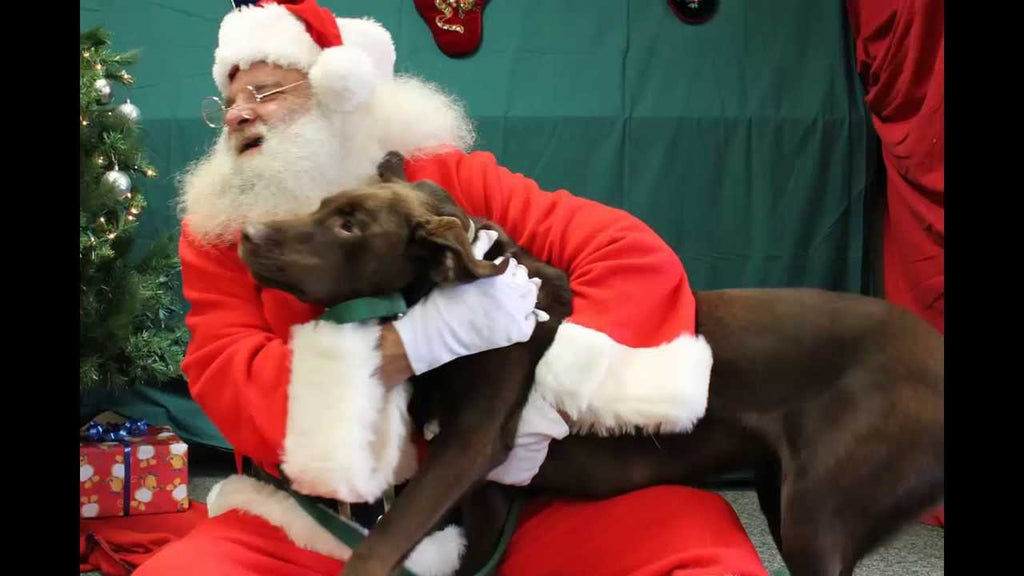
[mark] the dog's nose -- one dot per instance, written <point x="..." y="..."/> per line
<point x="256" y="233"/>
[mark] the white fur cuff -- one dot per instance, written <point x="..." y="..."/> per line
<point x="438" y="554"/>
<point x="609" y="388"/>
<point x="346" y="437"/>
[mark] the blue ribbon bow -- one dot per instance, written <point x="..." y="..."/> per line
<point x="110" y="432"/>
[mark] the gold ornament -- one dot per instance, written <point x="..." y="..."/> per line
<point x="449" y="7"/>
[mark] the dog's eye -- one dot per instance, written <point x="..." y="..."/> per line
<point x="344" y="226"/>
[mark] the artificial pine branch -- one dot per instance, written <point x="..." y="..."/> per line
<point x="130" y="325"/>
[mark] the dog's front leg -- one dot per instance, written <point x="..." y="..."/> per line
<point x="475" y="437"/>
<point x="457" y="463"/>
<point x="484" y="512"/>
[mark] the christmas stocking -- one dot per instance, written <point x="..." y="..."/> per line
<point x="455" y="24"/>
<point x="693" y="11"/>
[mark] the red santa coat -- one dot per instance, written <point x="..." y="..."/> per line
<point x="285" y="388"/>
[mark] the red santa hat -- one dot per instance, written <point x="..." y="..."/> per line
<point x="345" y="58"/>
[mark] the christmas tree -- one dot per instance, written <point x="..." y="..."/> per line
<point x="129" y="323"/>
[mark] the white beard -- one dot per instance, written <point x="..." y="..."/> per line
<point x="299" y="164"/>
<point x="308" y="158"/>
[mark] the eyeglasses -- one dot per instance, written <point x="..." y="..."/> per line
<point x="214" y="111"/>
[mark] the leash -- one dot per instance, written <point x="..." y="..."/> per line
<point x="352" y="534"/>
<point x="349" y="532"/>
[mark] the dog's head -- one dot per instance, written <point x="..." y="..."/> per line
<point x="370" y="241"/>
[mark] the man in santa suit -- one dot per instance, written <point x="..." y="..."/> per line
<point x="311" y="106"/>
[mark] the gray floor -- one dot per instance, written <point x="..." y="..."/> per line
<point x="918" y="551"/>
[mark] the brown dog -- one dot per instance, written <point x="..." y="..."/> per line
<point x="835" y="399"/>
<point x="401" y="237"/>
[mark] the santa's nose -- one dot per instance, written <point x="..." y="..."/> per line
<point x="237" y="117"/>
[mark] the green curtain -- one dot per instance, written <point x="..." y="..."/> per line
<point x="743" y="142"/>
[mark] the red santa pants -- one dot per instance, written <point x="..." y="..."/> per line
<point x="665" y="530"/>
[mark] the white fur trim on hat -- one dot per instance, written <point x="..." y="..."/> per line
<point x="261" y="34"/>
<point x="342" y="76"/>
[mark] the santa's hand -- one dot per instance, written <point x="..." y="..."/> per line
<point x="484" y="240"/>
<point x="539" y="424"/>
<point x="462" y="319"/>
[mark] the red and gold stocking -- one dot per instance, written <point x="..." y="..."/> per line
<point x="455" y="24"/>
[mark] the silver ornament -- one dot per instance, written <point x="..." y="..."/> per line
<point x="104" y="88"/>
<point x="119" y="181"/>
<point x="130" y="111"/>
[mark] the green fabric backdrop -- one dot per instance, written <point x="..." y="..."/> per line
<point x="743" y="142"/>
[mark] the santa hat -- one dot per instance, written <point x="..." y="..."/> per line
<point x="345" y="58"/>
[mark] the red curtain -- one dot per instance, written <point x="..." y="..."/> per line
<point x="899" y="50"/>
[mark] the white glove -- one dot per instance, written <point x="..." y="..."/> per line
<point x="458" y="320"/>
<point x="539" y="424"/>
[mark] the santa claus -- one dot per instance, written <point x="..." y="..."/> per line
<point x="309" y="105"/>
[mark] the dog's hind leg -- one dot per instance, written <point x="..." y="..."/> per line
<point x="768" y="483"/>
<point x="602" y="467"/>
<point x="812" y="543"/>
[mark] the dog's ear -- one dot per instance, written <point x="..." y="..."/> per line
<point x="453" y="255"/>
<point x="392" y="167"/>
<point x="444" y="235"/>
<point x="441" y="202"/>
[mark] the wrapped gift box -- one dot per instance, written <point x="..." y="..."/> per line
<point x="140" y="474"/>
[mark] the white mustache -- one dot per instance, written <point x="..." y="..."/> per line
<point x="238" y="138"/>
<point x="299" y="163"/>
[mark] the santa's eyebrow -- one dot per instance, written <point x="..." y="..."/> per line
<point x="266" y="86"/>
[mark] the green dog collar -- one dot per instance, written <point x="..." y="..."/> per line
<point x="369" y="308"/>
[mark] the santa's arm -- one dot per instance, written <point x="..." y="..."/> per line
<point x="313" y="403"/>
<point x="627" y="356"/>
